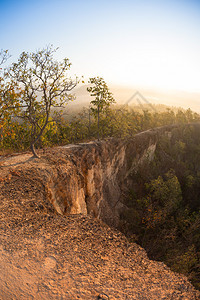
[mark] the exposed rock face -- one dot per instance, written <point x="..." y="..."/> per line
<point x="69" y="254"/>
<point x="92" y="178"/>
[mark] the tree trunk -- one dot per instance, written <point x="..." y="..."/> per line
<point x="33" y="150"/>
<point x="89" y="127"/>
<point x="38" y="137"/>
<point x="98" y="123"/>
<point x="1" y="136"/>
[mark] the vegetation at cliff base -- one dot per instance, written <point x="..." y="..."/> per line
<point x="163" y="207"/>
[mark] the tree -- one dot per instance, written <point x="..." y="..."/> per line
<point x="43" y="84"/>
<point x="103" y="97"/>
<point x="7" y="95"/>
<point x="3" y="57"/>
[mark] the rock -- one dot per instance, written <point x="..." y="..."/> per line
<point x="103" y="296"/>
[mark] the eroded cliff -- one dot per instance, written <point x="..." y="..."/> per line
<point x="46" y="253"/>
<point x="92" y="178"/>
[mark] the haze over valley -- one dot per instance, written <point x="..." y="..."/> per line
<point x="124" y="95"/>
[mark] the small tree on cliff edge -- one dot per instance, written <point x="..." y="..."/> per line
<point x="103" y="97"/>
<point x="43" y="84"/>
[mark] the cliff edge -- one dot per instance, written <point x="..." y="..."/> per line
<point x="54" y="244"/>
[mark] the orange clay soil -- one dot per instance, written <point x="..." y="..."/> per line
<point x="44" y="255"/>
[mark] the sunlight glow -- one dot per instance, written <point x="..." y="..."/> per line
<point x="152" y="44"/>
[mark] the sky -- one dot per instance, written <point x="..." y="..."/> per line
<point x="152" y="44"/>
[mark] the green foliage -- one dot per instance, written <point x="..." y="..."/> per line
<point x="103" y="98"/>
<point x="8" y="95"/>
<point x="163" y="199"/>
<point x="163" y="208"/>
<point x="99" y="90"/>
<point x="121" y="122"/>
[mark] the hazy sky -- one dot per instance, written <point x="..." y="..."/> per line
<point x="136" y="43"/>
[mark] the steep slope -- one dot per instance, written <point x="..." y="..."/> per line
<point x="52" y="247"/>
<point x="78" y="257"/>
<point x="89" y="178"/>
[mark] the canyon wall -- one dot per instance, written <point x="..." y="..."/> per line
<point x="92" y="178"/>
